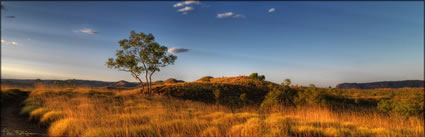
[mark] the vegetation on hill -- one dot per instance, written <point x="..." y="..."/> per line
<point x="228" y="106"/>
<point x="105" y="113"/>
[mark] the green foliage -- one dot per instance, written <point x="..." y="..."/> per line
<point x="286" y="82"/>
<point x="414" y="105"/>
<point x="141" y="54"/>
<point x="206" y="79"/>
<point x="257" y="77"/>
<point x="311" y="95"/>
<point x="203" y="91"/>
<point x="281" y="95"/>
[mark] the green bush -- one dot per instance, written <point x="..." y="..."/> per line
<point x="281" y="95"/>
<point x="200" y="91"/>
<point x="413" y="105"/>
<point x="311" y="96"/>
<point x="257" y="77"/>
<point x="206" y="79"/>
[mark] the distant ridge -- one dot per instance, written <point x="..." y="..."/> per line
<point x="31" y="83"/>
<point x="383" y="84"/>
<point x="123" y="83"/>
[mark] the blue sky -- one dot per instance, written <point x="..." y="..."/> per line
<point x="324" y="43"/>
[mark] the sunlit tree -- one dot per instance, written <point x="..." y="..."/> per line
<point x="141" y="54"/>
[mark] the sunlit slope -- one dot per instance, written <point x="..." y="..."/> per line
<point x="230" y="88"/>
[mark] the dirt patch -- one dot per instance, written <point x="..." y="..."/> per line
<point x="15" y="125"/>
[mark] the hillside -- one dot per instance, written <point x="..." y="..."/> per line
<point x="229" y="87"/>
<point x="383" y="84"/>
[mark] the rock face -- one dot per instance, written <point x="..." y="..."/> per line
<point x="383" y="84"/>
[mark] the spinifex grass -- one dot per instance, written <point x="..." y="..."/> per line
<point x="91" y="113"/>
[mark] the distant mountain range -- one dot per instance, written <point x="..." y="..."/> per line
<point x="383" y="84"/>
<point x="30" y="83"/>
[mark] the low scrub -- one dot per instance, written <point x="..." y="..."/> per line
<point x="106" y="114"/>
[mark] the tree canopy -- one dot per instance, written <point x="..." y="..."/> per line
<point x="141" y="54"/>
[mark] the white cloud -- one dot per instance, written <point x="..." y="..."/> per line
<point x="222" y="15"/>
<point x="229" y="14"/>
<point x="6" y="42"/>
<point x="185" y="9"/>
<point x="187" y="2"/>
<point x="178" y="4"/>
<point x="87" y="31"/>
<point x="178" y="50"/>
<point x="272" y="9"/>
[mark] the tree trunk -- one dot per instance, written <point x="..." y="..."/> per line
<point x="138" y="79"/>
<point x="147" y="80"/>
<point x="150" y="81"/>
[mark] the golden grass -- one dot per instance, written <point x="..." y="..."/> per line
<point x="38" y="113"/>
<point x="125" y="114"/>
<point x="52" y="116"/>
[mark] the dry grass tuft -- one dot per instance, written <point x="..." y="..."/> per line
<point x="52" y="116"/>
<point x="38" y="113"/>
<point x="106" y="113"/>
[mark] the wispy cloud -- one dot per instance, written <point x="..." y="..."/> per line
<point x="272" y="10"/>
<point x="87" y="31"/>
<point x="7" y="42"/>
<point x="230" y="15"/>
<point x="178" y="50"/>
<point x="178" y="4"/>
<point x="185" y="9"/>
<point x="187" y="2"/>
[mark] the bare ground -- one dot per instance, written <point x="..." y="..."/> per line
<point x="15" y="125"/>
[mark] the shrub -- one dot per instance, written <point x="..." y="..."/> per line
<point x="413" y="105"/>
<point x="257" y="77"/>
<point x="311" y="96"/>
<point x="282" y="95"/>
<point x="205" y="79"/>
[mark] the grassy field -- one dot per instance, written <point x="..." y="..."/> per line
<point x="179" y="110"/>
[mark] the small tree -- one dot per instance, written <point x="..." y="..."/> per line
<point x="257" y="77"/>
<point x="281" y="95"/>
<point x="141" y="54"/>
